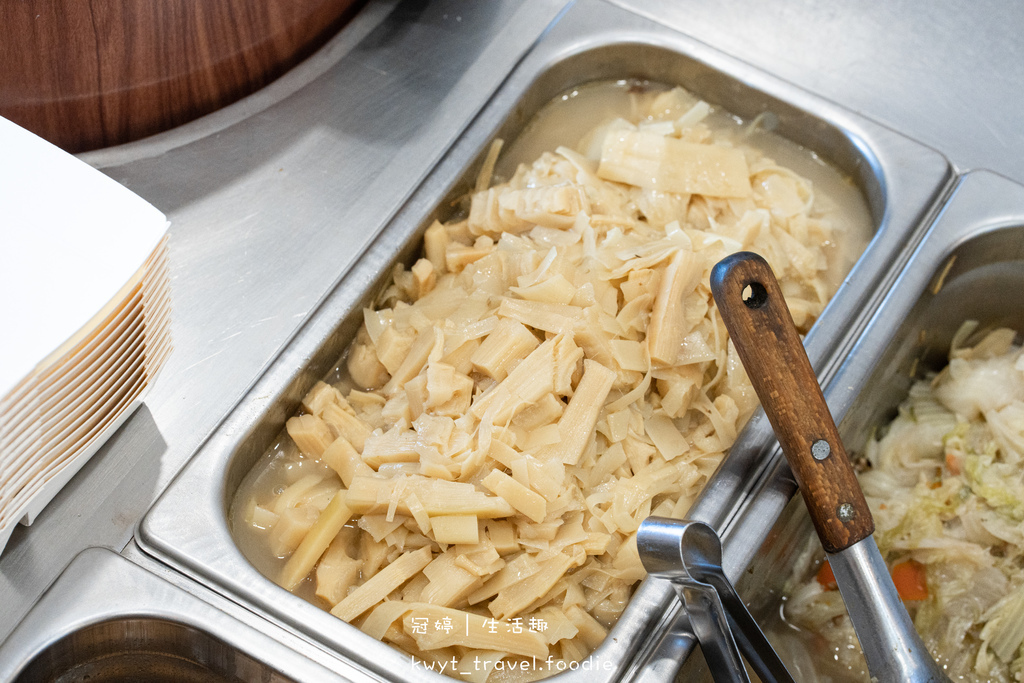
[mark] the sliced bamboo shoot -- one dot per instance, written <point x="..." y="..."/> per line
<point x="320" y="395"/>
<point x="310" y="434"/>
<point x="435" y="243"/>
<point x="545" y="411"/>
<point x="365" y="368"/>
<point x="452" y="529"/>
<point x="580" y="417"/>
<point x="553" y="290"/>
<point x="392" y="347"/>
<point x="383" y="582"/>
<point x="630" y="355"/>
<point x="346" y="424"/>
<point x="528" y="502"/>
<point x="655" y="162"/>
<point x="666" y="437"/>
<point x="424" y="277"/>
<point x="413" y="361"/>
<point x="395" y="445"/>
<point x="291" y="528"/>
<point x="336" y="573"/>
<point x="591" y="631"/>
<point x="520" y="567"/>
<point x="502" y="536"/>
<point x="293" y="495"/>
<point x="667" y="329"/>
<point x="313" y="545"/>
<point x="369" y="495"/>
<point x="554" y="318"/>
<point x="509" y="343"/>
<point x="517" y="597"/>
<point x="548" y="368"/>
<point x="449" y="583"/>
<point x="341" y="457"/>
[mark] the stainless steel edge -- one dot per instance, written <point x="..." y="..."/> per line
<point x="270" y="201"/>
<point x="982" y="203"/>
<point x="314" y="653"/>
<point x="946" y="77"/>
<point x="100" y="586"/>
<point x="912" y="178"/>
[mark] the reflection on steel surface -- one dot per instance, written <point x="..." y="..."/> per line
<point x="961" y="270"/>
<point x="107" y="619"/>
<point x="593" y="40"/>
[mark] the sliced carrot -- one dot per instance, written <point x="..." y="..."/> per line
<point x="826" y="578"/>
<point x="952" y="464"/>
<point x="911" y="580"/>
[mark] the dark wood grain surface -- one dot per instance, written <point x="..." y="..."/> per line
<point x="761" y="327"/>
<point x="87" y="75"/>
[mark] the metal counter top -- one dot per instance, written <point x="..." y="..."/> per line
<point x="272" y="198"/>
<point x="947" y="75"/>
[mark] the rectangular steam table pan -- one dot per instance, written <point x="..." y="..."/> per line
<point x="107" y="619"/>
<point x="902" y="181"/>
<point x="969" y="266"/>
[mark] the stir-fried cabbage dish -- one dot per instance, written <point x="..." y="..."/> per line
<point x="946" y="488"/>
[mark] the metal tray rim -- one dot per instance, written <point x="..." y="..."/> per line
<point x="100" y="586"/>
<point x="982" y="202"/>
<point x="200" y="487"/>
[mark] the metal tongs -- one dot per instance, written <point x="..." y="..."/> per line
<point x="689" y="554"/>
<point x="754" y="311"/>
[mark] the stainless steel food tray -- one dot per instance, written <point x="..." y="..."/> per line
<point x="593" y="40"/>
<point x="969" y="266"/>
<point x="107" y="619"/>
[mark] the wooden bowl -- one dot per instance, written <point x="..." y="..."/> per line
<point x="87" y="75"/>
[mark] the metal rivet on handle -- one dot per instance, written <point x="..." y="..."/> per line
<point x="845" y="512"/>
<point x="820" y="449"/>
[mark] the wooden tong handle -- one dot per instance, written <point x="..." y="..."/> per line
<point x="761" y="327"/>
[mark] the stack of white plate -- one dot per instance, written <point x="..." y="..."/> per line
<point x="84" y="316"/>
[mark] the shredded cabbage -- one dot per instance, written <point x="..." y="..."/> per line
<point x="946" y="488"/>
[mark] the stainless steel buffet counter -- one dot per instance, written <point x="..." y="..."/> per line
<point x="274" y="197"/>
